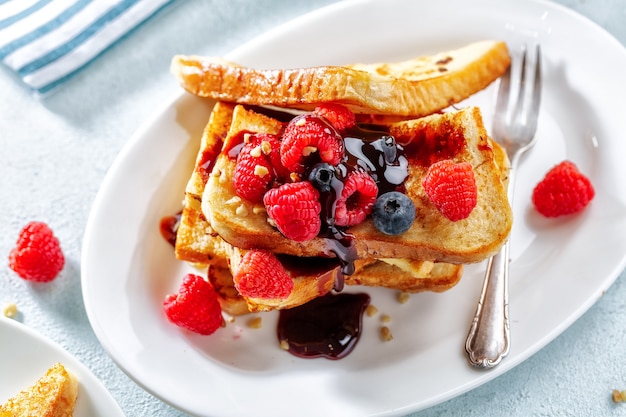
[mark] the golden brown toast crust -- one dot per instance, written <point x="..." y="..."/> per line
<point x="196" y="241"/>
<point x="432" y="237"/>
<point x="416" y="87"/>
<point x="229" y="298"/>
<point x="424" y="276"/>
<point x="53" y="395"/>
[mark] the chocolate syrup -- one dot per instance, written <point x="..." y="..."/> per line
<point x="169" y="226"/>
<point x="328" y="326"/>
<point x="377" y="153"/>
<point x="207" y="161"/>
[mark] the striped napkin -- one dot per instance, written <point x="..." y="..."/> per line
<point x="45" y="42"/>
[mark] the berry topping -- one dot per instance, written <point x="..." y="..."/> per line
<point x="37" y="255"/>
<point x="451" y="187"/>
<point x="393" y="213"/>
<point x="195" y="307"/>
<point x="261" y="275"/>
<point x="255" y="168"/>
<point x="295" y="209"/>
<point x="306" y="135"/>
<point x="339" y="116"/>
<point x="321" y="176"/>
<point x="356" y="200"/>
<point x="564" y="190"/>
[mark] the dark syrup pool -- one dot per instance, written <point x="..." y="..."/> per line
<point x="328" y="326"/>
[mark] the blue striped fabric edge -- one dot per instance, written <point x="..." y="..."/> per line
<point x="44" y="29"/>
<point x="21" y="15"/>
<point x="73" y="43"/>
<point x="56" y="83"/>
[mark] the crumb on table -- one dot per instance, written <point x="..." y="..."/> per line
<point x="619" y="396"/>
<point x="10" y="310"/>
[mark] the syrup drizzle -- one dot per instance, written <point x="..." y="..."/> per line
<point x="169" y="226"/>
<point x="328" y="326"/>
<point x="377" y="153"/>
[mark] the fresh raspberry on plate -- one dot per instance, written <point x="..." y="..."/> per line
<point x="195" y="307"/>
<point x="37" y="255"/>
<point x="451" y="187"/>
<point x="261" y="275"/>
<point x="339" y="116"/>
<point x="295" y="209"/>
<point x="564" y="190"/>
<point x="254" y="169"/>
<point x="307" y="135"/>
<point x="356" y="200"/>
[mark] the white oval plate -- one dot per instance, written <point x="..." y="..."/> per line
<point x="559" y="269"/>
<point x="26" y="355"/>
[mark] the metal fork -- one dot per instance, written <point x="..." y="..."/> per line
<point x="488" y="339"/>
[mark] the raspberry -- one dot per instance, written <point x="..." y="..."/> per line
<point x="306" y="135"/>
<point x="261" y="275"/>
<point x="451" y="187"/>
<point x="37" y="255"/>
<point x="356" y="200"/>
<point x="339" y="116"/>
<point x="564" y="190"/>
<point x="254" y="170"/>
<point x="295" y="209"/>
<point x="195" y="307"/>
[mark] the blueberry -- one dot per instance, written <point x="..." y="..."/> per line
<point x="393" y="213"/>
<point x="321" y="176"/>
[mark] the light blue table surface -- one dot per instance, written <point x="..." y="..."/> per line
<point x="54" y="153"/>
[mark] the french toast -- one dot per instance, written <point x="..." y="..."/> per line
<point x="218" y="226"/>
<point x="53" y="395"/>
<point x="197" y="242"/>
<point x="431" y="237"/>
<point x="399" y="274"/>
<point x="415" y="88"/>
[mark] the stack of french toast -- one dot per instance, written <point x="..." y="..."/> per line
<point x="411" y="101"/>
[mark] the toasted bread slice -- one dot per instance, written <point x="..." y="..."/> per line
<point x="314" y="277"/>
<point x="407" y="275"/>
<point x="417" y="87"/>
<point x="53" y="395"/>
<point x="432" y="237"/>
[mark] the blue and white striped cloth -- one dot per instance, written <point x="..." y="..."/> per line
<point x="45" y="42"/>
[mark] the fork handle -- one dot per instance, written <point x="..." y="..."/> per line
<point x="488" y="339"/>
